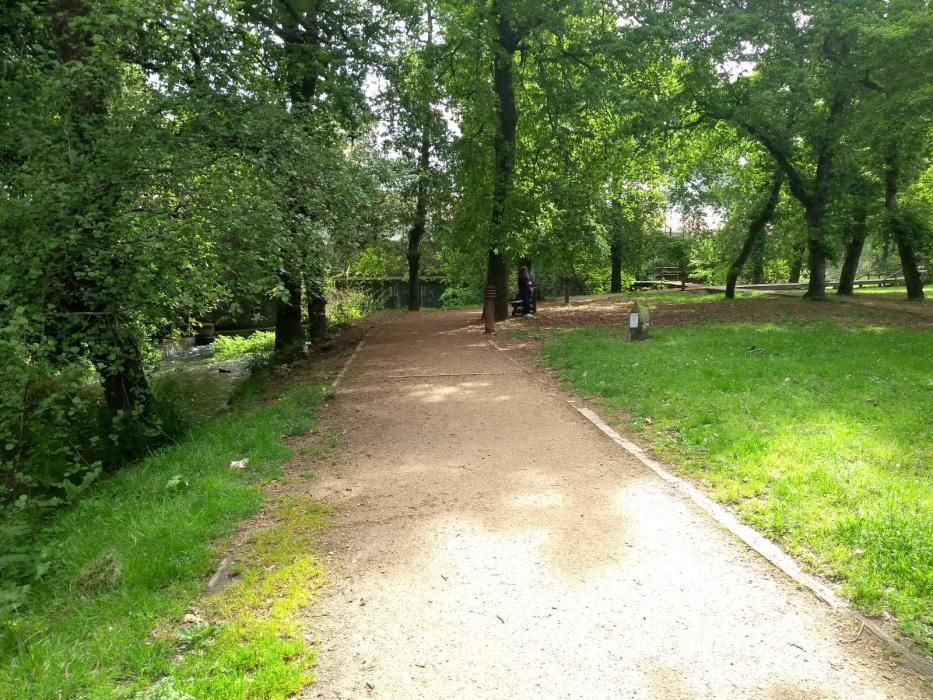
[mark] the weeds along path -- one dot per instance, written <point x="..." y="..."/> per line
<point x="488" y="542"/>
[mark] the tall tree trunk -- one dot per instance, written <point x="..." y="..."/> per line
<point x="905" y="246"/>
<point x="853" y="253"/>
<point x="816" y="254"/>
<point x="756" y="229"/>
<point x="416" y="233"/>
<point x="506" y="44"/>
<point x="289" y="335"/>
<point x="498" y="275"/>
<point x="758" y="262"/>
<point x="317" y="308"/>
<point x="615" y="256"/>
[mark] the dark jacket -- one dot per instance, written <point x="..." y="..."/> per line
<point x="524" y="283"/>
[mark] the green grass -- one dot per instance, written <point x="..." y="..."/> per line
<point x="679" y="297"/>
<point x="132" y="558"/>
<point x="817" y="435"/>
<point x="889" y="293"/>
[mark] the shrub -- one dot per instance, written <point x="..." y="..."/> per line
<point x="454" y="297"/>
<point x="349" y="304"/>
<point x="230" y="347"/>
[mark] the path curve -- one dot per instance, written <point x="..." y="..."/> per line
<point x="490" y="543"/>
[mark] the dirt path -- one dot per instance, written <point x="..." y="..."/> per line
<point x="490" y="543"/>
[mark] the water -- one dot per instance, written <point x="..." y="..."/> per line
<point x="201" y="386"/>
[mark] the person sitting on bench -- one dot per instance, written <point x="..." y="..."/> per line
<point x="525" y="290"/>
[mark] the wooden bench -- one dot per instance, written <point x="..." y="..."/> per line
<point x="517" y="305"/>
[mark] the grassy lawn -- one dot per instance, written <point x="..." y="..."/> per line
<point x="818" y="435"/>
<point x="888" y="293"/>
<point x="132" y="558"/>
<point x="679" y="297"/>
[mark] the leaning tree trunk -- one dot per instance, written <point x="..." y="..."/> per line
<point x="615" y="255"/>
<point x="316" y="302"/>
<point x="905" y="246"/>
<point x="504" y="146"/>
<point x="756" y="229"/>
<point x="853" y="253"/>
<point x="289" y="335"/>
<point x="758" y="262"/>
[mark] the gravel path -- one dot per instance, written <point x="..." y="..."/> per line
<point x="491" y="543"/>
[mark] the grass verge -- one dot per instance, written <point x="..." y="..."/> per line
<point x="687" y="297"/>
<point x="819" y="436"/>
<point x="887" y="293"/>
<point x="133" y="558"/>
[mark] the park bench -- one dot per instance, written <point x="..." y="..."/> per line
<point x="516" y="304"/>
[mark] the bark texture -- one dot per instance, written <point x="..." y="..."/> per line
<point x="853" y="255"/>
<point x="506" y="44"/>
<point x="317" y="309"/>
<point x="900" y="231"/>
<point x="756" y="229"/>
<point x="418" y="226"/>
<point x="289" y="335"/>
<point x="615" y="254"/>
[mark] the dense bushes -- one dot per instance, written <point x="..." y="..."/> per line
<point x="454" y="297"/>
<point x="348" y="304"/>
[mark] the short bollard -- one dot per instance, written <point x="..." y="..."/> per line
<point x="638" y="322"/>
<point x="489" y="309"/>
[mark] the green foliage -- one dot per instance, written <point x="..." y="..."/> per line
<point x="49" y="445"/>
<point x="22" y="565"/>
<point x="705" y="256"/>
<point x="230" y="347"/>
<point x="457" y="297"/>
<point x="818" y="447"/>
<point x="348" y="304"/>
<point x="129" y="559"/>
<point x="378" y="261"/>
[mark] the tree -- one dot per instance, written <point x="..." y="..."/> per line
<point x="414" y="101"/>
<point x="895" y="52"/>
<point x="787" y="79"/>
<point x="320" y="43"/>
<point x="756" y="229"/>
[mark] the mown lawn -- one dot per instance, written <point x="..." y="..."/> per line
<point x="889" y="293"/>
<point x="687" y="297"/>
<point x="131" y="560"/>
<point x="818" y="435"/>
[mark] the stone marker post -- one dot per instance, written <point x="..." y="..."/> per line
<point x="489" y="309"/>
<point x="638" y="321"/>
